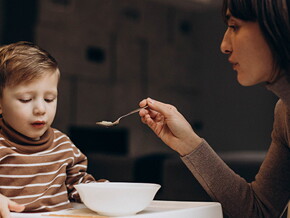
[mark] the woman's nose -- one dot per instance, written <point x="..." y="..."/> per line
<point x="226" y="46"/>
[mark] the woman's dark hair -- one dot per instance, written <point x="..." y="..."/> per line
<point x="273" y="18"/>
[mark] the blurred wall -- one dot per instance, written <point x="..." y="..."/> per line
<point x="113" y="53"/>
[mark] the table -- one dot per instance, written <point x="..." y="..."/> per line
<point x="157" y="209"/>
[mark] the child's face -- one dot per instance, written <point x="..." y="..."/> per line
<point x="29" y="108"/>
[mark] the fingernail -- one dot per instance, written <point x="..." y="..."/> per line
<point x="151" y="100"/>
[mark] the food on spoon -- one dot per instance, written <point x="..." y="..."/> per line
<point x="105" y="123"/>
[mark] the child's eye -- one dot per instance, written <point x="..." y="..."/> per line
<point x="24" y="100"/>
<point x="48" y="100"/>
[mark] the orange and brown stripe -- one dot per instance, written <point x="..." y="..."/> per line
<point x="40" y="174"/>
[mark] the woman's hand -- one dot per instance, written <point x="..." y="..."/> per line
<point x="169" y="125"/>
<point x="6" y="205"/>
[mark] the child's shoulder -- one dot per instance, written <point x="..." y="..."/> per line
<point x="59" y="135"/>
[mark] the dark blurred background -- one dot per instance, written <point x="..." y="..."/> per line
<point x="114" y="53"/>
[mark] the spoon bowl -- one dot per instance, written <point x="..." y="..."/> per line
<point x="116" y="122"/>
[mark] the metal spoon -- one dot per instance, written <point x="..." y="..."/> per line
<point x="110" y="124"/>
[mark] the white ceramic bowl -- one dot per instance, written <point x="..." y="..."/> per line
<point x="117" y="198"/>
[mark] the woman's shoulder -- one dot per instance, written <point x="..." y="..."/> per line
<point x="280" y="107"/>
<point x="282" y="121"/>
<point x="281" y="113"/>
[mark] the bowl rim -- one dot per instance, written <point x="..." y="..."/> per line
<point x="120" y="184"/>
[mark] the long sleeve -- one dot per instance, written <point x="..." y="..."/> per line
<point x="268" y="195"/>
<point x="40" y="174"/>
<point x="77" y="173"/>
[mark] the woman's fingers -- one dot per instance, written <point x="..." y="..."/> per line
<point x="156" y="108"/>
<point x="164" y="109"/>
<point x="143" y="103"/>
<point x="169" y="125"/>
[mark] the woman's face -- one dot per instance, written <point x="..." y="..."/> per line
<point x="248" y="51"/>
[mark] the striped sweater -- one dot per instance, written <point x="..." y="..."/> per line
<point x="40" y="174"/>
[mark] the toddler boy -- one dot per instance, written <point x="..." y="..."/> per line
<point x="38" y="164"/>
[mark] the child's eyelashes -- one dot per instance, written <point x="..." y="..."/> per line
<point x="48" y="100"/>
<point x="24" y="100"/>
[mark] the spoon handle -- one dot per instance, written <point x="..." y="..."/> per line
<point x="134" y="111"/>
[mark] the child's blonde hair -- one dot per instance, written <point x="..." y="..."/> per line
<point x="23" y="62"/>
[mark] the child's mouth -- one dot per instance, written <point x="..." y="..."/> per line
<point x="38" y="124"/>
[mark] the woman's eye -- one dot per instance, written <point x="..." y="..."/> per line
<point x="24" y="100"/>
<point x="233" y="27"/>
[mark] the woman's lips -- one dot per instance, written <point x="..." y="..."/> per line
<point x="235" y="65"/>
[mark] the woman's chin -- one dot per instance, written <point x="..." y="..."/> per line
<point x="246" y="82"/>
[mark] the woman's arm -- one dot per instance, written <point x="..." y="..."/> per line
<point x="265" y="197"/>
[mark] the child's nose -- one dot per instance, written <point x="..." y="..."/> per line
<point x="39" y="108"/>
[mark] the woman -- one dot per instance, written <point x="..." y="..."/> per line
<point x="257" y="42"/>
